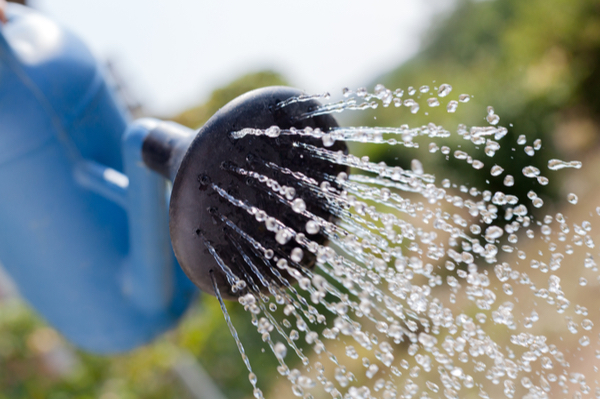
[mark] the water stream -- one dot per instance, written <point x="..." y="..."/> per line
<point x="427" y="288"/>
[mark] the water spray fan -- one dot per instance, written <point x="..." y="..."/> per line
<point x="85" y="207"/>
<point x="110" y="253"/>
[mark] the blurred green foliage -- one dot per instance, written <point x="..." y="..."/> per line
<point x="536" y="61"/>
<point x="196" y="116"/>
<point x="37" y="363"/>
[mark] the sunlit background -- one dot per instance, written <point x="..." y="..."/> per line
<point x="536" y="61"/>
<point x="175" y="53"/>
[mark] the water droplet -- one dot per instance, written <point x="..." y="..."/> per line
<point x="493" y="119"/>
<point x="529" y="151"/>
<point x="414" y="108"/>
<point x="572" y="198"/>
<point x="522" y="139"/>
<point x="297" y="390"/>
<point x="328" y="140"/>
<point x="428" y="341"/>
<point x="306" y="382"/>
<point x="283" y="236"/>
<point x="312" y="227"/>
<point x="452" y="106"/>
<point x="432" y="386"/>
<point x="260" y="216"/>
<point x="444" y="90"/>
<point x="273" y="131"/>
<point x="416" y="166"/>
<point x="492" y="233"/>
<point x="290" y="193"/>
<point x="509" y="181"/>
<point x="271" y="224"/>
<point x="424" y="89"/>
<point x="531" y="171"/>
<point x="557" y="164"/>
<point x="496" y="170"/>
<point x="543" y="180"/>
<point x="280" y="350"/>
<point x="372" y="369"/>
<point x="351" y="352"/>
<point x="297" y="254"/>
<point x="298" y="205"/>
<point x="477" y="164"/>
<point x="433" y="102"/>
<point x="537" y="202"/>
<point x="464" y="98"/>
<point x="252" y="378"/>
<point x="460" y="154"/>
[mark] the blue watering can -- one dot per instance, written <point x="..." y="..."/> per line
<point x="83" y="223"/>
<point x="89" y="227"/>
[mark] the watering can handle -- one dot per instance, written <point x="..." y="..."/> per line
<point x="105" y="276"/>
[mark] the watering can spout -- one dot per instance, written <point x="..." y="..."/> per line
<point x="85" y="221"/>
<point x="164" y="147"/>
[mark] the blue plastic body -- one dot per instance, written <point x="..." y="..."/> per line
<point x="83" y="223"/>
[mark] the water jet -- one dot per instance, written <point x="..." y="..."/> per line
<point x="403" y="282"/>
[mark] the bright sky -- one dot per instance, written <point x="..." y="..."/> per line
<point x="173" y="53"/>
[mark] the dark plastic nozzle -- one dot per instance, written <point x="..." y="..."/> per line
<point x="164" y="147"/>
<point x="201" y="218"/>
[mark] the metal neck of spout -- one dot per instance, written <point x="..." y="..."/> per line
<point x="164" y="147"/>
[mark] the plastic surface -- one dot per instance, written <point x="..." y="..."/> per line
<point x="83" y="222"/>
<point x="198" y="213"/>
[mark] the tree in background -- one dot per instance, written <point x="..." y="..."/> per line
<point x="198" y="115"/>
<point x="537" y="62"/>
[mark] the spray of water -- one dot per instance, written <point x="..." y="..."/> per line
<point x="427" y="288"/>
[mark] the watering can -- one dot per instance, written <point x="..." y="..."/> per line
<point x="89" y="226"/>
<point x="84" y="229"/>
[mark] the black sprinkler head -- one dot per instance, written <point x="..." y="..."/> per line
<point x="207" y="229"/>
